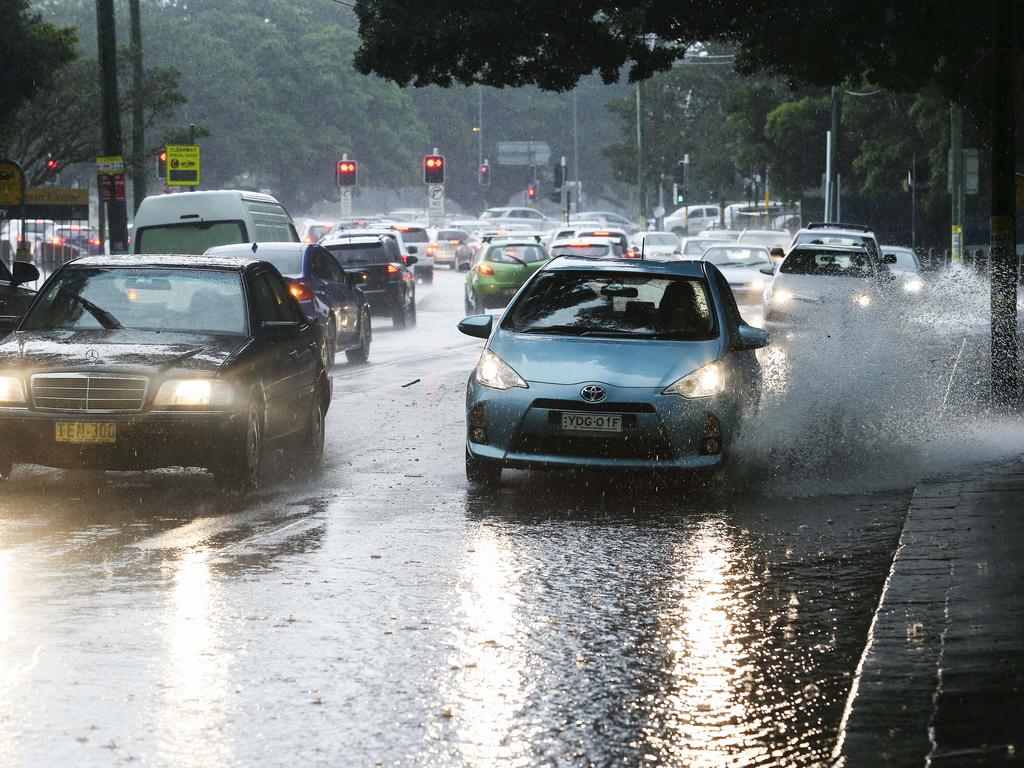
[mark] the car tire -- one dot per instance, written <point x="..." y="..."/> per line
<point x="479" y="308"/>
<point x="428" y="275"/>
<point x="482" y="474"/>
<point x="331" y="345"/>
<point x="412" y="313"/>
<point x="399" y="314"/>
<point x="678" y="232"/>
<point x="362" y="353"/>
<point x="239" y="471"/>
<point x="310" y="454"/>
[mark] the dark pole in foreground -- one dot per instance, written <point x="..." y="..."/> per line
<point x="138" y="110"/>
<point x="1005" y="353"/>
<point x="106" y="39"/>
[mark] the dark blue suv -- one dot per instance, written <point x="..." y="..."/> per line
<point x="324" y="291"/>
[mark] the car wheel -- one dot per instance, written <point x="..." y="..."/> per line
<point x="412" y="312"/>
<point x="331" y="345"/>
<point x="479" y="308"/>
<point x="482" y="473"/>
<point x="398" y="314"/>
<point x="239" y="471"/>
<point x="362" y="353"/>
<point x="310" y="456"/>
<point x="679" y="232"/>
<point x="428" y="275"/>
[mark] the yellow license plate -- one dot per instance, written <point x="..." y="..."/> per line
<point x="85" y="432"/>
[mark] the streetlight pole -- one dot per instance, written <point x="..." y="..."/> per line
<point x="639" y="163"/>
<point x="575" y="142"/>
<point x="479" y="125"/>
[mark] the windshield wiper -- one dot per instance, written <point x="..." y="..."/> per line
<point x="570" y="330"/>
<point x="104" y="318"/>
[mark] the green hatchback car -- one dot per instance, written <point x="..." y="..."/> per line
<point x="499" y="270"/>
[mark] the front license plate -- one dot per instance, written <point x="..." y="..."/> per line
<point x="85" y="432"/>
<point x="592" y="422"/>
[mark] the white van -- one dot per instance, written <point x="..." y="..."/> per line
<point x="192" y="222"/>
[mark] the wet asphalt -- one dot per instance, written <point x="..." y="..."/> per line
<point x="384" y="614"/>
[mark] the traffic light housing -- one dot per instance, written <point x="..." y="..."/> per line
<point x="531" y="193"/>
<point x="485" y="175"/>
<point x="433" y="169"/>
<point x="52" y="164"/>
<point x="679" y="177"/>
<point x="348" y="173"/>
<point x="559" y="175"/>
<point x="161" y="164"/>
<point x="679" y="197"/>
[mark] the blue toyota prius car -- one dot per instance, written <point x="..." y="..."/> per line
<point x="611" y="364"/>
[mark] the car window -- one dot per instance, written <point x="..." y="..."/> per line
<point x="266" y="302"/>
<point x="166" y="300"/>
<point x="697" y="247"/>
<point x="337" y="274"/>
<point x="321" y="269"/>
<point x="516" y="254"/>
<point x="287" y="262"/>
<point x="191" y="238"/>
<point x="360" y="253"/>
<point x="732" y="312"/>
<point x="827" y="264"/>
<point x="599" y="303"/>
<point x="272" y="222"/>
<point x="905" y="260"/>
<point x="286" y="302"/>
<point x="597" y="250"/>
<point x="735" y="256"/>
<point x="414" y="235"/>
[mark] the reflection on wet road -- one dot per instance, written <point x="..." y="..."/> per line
<point x="385" y="615"/>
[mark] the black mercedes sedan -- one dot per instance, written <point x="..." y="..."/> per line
<point x="139" y="362"/>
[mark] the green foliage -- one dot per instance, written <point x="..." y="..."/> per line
<point x="793" y="130"/>
<point x="31" y="51"/>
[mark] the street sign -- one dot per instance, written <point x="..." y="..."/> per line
<point x="12" y="184"/>
<point x="60" y="203"/>
<point x="435" y="204"/>
<point x="109" y="164"/>
<point x="183" y="165"/>
<point x="523" y="153"/>
<point x="346" y="202"/>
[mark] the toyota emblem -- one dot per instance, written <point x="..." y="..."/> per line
<point x="593" y="393"/>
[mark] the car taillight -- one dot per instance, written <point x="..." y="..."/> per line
<point x="58" y="241"/>
<point x="393" y="269"/>
<point x="308" y="239"/>
<point x="301" y="291"/>
<point x="95" y="241"/>
<point x="485" y="269"/>
<point x="633" y="253"/>
<point x="431" y="249"/>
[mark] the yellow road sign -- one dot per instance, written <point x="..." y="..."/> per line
<point x="109" y="164"/>
<point x="183" y="165"/>
<point x="12" y="184"/>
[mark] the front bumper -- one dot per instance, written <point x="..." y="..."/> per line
<point x="660" y="432"/>
<point x="143" y="440"/>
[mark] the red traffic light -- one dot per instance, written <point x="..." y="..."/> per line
<point x="348" y="171"/>
<point x="163" y="156"/>
<point x="531" y="192"/>
<point x="485" y="169"/>
<point x="433" y="169"/>
<point x="52" y="164"/>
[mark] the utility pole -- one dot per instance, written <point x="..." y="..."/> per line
<point x="1004" y="265"/>
<point x="106" y="39"/>
<point x="639" y="164"/>
<point x="479" y="125"/>
<point x="575" y="142"/>
<point x="837" y="106"/>
<point x="138" y="110"/>
<point x="956" y="191"/>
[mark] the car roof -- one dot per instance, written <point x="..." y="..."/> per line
<point x="827" y="247"/>
<point x="246" y="249"/>
<point x="834" y="231"/>
<point x="347" y="234"/>
<point x="503" y="241"/>
<point x="170" y="260"/>
<point x="723" y="245"/>
<point x="371" y="239"/>
<point x="686" y="268"/>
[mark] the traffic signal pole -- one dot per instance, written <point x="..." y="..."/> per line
<point x="106" y="39"/>
<point x="138" y="164"/>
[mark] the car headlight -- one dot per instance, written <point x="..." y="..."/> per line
<point x="914" y="285"/>
<point x="494" y="372"/>
<point x="757" y="284"/>
<point x="706" y="381"/>
<point x="194" y="393"/>
<point x="11" y="391"/>
<point x="863" y="300"/>
<point x="782" y="296"/>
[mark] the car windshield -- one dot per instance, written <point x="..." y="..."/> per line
<point x="414" y="235"/>
<point x="316" y="231"/>
<point x="194" y="237"/>
<point x="905" y="260"/>
<point x="770" y="239"/>
<point x="359" y="253"/>
<point x="175" y="300"/>
<point x="288" y="263"/>
<point x="670" y="240"/>
<point x="731" y="256"/>
<point x="827" y="264"/>
<point x="452" y="235"/>
<point x="629" y="305"/>
<point x="492" y="213"/>
<point x="516" y="254"/>
<point x="697" y="247"/>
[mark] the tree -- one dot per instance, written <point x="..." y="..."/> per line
<point x="31" y="52"/>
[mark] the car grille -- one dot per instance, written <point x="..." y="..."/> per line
<point x="580" y="405"/>
<point x="88" y="392"/>
<point x="619" y="447"/>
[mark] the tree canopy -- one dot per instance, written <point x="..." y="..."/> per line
<point x="31" y="51"/>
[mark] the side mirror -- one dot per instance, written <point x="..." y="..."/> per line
<point x="412" y="249"/>
<point x="24" y="273"/>
<point x="767" y="270"/>
<point x="752" y="338"/>
<point x="410" y="260"/>
<point x="889" y="258"/>
<point x="478" y="326"/>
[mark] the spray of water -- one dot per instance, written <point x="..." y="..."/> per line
<point x="878" y="397"/>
